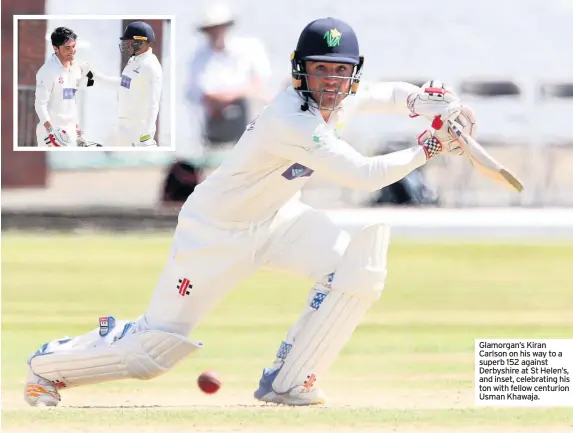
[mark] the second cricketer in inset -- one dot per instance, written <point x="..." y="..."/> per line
<point x="139" y="87"/>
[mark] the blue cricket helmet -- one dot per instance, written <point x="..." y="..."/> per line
<point x="326" y="40"/>
<point x="138" y="31"/>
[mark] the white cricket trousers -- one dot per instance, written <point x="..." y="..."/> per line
<point x="125" y="132"/>
<point x="208" y="259"/>
<point x="41" y="134"/>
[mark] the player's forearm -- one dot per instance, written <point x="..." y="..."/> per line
<point x="390" y="168"/>
<point x="374" y="173"/>
<point x="42" y="97"/>
<point x="105" y="80"/>
<point x="42" y="112"/>
<point x="386" y="97"/>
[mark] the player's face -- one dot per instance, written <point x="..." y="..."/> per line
<point x="132" y="46"/>
<point x="67" y="51"/>
<point x="326" y="82"/>
<point x="126" y="46"/>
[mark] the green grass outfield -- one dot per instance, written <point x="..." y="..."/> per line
<point x="409" y="366"/>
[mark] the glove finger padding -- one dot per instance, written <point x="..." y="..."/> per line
<point x="434" y="99"/>
<point x="467" y="120"/>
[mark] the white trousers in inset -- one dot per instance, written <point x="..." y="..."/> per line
<point x="41" y="134"/>
<point x="125" y="132"/>
<point x="209" y="259"/>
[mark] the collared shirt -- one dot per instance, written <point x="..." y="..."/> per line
<point x="229" y="70"/>
<point x="286" y="145"/>
<point x="56" y="88"/>
<point x="140" y="90"/>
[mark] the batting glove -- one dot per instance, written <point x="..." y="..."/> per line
<point x="443" y="139"/>
<point x="435" y="102"/>
<point x="57" y="137"/>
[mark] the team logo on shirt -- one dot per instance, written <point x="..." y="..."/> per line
<point x="136" y="70"/>
<point x="125" y="82"/>
<point x="69" y="93"/>
<point x="61" y="80"/>
<point x="297" y="170"/>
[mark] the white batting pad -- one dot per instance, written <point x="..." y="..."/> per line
<point x="316" y="295"/>
<point x="357" y="284"/>
<point x="141" y="355"/>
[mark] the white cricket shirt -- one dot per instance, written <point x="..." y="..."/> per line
<point x="140" y="90"/>
<point x="282" y="148"/>
<point x="56" y="88"/>
<point x="229" y="70"/>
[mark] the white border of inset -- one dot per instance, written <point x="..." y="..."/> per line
<point x="173" y="114"/>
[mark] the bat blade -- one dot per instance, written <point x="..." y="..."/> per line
<point x="486" y="164"/>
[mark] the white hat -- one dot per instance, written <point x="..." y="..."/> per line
<point x="216" y="15"/>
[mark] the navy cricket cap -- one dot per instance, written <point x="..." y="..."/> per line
<point x="139" y="31"/>
<point x="328" y="40"/>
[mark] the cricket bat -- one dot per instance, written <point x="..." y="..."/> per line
<point x="483" y="162"/>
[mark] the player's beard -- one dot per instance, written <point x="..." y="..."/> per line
<point x="330" y="99"/>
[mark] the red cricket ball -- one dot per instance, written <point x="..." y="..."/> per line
<point x="209" y="382"/>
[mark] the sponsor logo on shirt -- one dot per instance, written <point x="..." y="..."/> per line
<point x="69" y="93"/>
<point x="125" y="82"/>
<point x="297" y="170"/>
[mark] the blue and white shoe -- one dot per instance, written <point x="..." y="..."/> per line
<point x="303" y="395"/>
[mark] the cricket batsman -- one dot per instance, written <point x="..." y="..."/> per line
<point x="139" y="89"/>
<point x="57" y="82"/>
<point x="248" y="215"/>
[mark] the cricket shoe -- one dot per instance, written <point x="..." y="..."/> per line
<point x="303" y="395"/>
<point x="40" y="391"/>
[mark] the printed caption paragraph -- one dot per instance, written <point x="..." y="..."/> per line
<point x="523" y="372"/>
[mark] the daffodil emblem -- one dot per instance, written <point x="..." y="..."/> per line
<point x="332" y="38"/>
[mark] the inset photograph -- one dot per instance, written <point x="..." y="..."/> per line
<point x="93" y="83"/>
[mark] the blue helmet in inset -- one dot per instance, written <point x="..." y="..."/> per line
<point x="138" y="32"/>
<point x="326" y="40"/>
